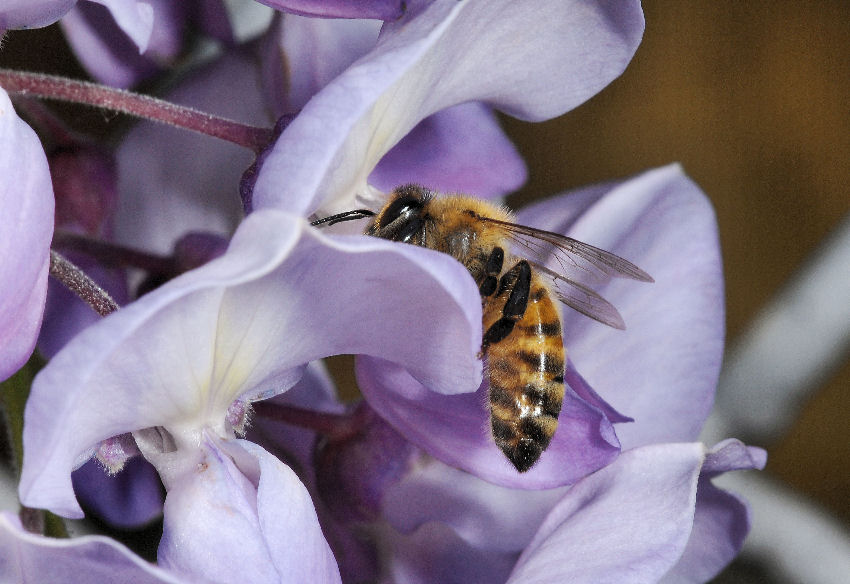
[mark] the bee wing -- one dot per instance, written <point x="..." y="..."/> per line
<point x="578" y="259"/>
<point x="582" y="299"/>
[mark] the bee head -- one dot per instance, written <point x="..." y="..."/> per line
<point x="403" y="217"/>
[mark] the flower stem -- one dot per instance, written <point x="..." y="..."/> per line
<point x="134" y="104"/>
<point x="114" y="255"/>
<point x="322" y="422"/>
<point x="80" y="284"/>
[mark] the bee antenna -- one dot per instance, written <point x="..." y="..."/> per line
<point x="346" y="216"/>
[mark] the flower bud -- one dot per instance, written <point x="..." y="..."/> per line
<point x="84" y="185"/>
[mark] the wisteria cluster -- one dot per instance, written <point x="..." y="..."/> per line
<point x="203" y="399"/>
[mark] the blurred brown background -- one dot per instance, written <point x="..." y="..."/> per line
<point x="752" y="99"/>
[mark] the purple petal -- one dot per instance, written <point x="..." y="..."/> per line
<point x="84" y="187"/>
<point x="721" y="519"/>
<point x="133" y="497"/>
<point x="245" y="325"/>
<point x="354" y="469"/>
<point x="128" y="499"/>
<point x="721" y="522"/>
<point x="211" y="17"/>
<point x="26" y="227"/>
<point x="134" y="17"/>
<point x="455" y="429"/>
<point x="486" y="516"/>
<point x="731" y="454"/>
<point x="26" y="557"/>
<point x="163" y="192"/>
<point x="662" y="370"/>
<point x="240" y="515"/>
<point x="380" y="9"/>
<point x="435" y="57"/>
<point x="301" y="55"/>
<point x="629" y="522"/>
<point x="113" y="57"/>
<point x="356" y="557"/>
<point x="460" y="149"/>
<point x="32" y="13"/>
<point x="197" y="248"/>
<point x="434" y="553"/>
<point x="574" y="379"/>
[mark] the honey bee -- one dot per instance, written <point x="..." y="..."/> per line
<point x="522" y="337"/>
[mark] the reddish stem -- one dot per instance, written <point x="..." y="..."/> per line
<point x="332" y="425"/>
<point x="143" y="106"/>
<point x="111" y="254"/>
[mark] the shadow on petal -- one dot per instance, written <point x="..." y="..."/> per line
<point x="455" y="429"/>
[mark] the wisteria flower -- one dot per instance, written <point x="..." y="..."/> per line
<point x="122" y="42"/>
<point x="422" y="65"/>
<point x="452" y="526"/>
<point x="164" y="192"/>
<point x="458" y="148"/>
<point x="674" y="339"/>
<point x="672" y="347"/>
<point x="664" y="367"/>
<point x="134" y="17"/>
<point x="181" y="374"/>
<point x="410" y="75"/>
<point x="442" y="54"/>
<point x="442" y="18"/>
<point x="179" y="366"/>
<point x="112" y="50"/>
<point x="26" y="227"/>
<point x="653" y="515"/>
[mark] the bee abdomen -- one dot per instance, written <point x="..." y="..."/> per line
<point x="524" y="405"/>
<point x="526" y="373"/>
<point x="523" y="425"/>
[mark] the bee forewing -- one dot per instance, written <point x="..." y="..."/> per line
<point x="576" y="259"/>
<point x="582" y="299"/>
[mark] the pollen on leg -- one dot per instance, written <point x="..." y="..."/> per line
<point x="239" y="416"/>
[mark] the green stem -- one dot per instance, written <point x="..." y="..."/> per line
<point x="13" y="398"/>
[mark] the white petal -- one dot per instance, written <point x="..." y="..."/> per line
<point x="532" y="59"/>
<point x="245" y="325"/>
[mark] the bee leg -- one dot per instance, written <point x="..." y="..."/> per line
<point x="491" y="272"/>
<point x="518" y="281"/>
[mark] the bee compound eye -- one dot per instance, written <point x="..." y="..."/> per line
<point x="401" y="207"/>
<point x="410" y="230"/>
